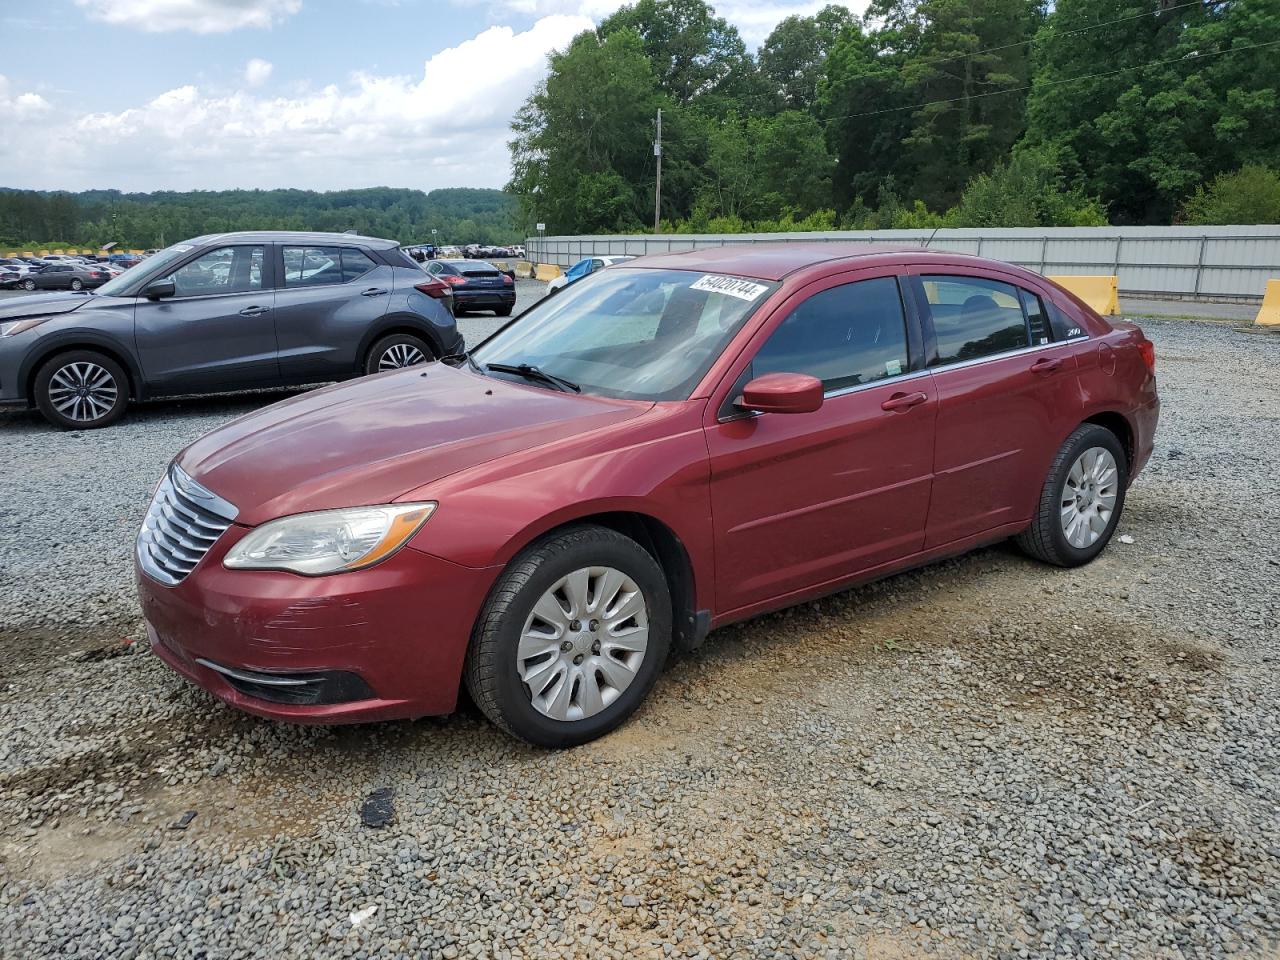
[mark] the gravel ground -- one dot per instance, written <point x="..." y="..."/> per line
<point x="986" y="757"/>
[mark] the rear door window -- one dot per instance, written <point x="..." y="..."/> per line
<point x="312" y="266"/>
<point x="1037" y="319"/>
<point x="974" y="317"/>
<point x="845" y="336"/>
<point x="355" y="264"/>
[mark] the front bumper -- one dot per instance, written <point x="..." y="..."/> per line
<point x="393" y="636"/>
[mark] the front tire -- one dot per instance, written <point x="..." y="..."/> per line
<point x="571" y="639"/>
<point x="81" y="390"/>
<point x="397" y="351"/>
<point x="1081" y="501"/>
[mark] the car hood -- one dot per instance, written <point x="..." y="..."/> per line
<point x="377" y="438"/>
<point x="42" y="305"/>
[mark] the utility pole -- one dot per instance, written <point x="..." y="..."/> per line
<point x="657" y="186"/>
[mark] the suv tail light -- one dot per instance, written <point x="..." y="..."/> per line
<point x="1148" y="351"/>
<point x="434" y="288"/>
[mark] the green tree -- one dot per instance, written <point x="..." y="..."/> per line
<point x="1029" y="190"/>
<point x="1185" y="97"/>
<point x="1248" y="195"/>
<point x="694" y="53"/>
<point x="588" y="126"/>
<point x="794" y="56"/>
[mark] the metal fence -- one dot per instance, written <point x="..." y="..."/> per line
<point x="1227" y="263"/>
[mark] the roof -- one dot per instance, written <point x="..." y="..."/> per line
<point x="769" y="261"/>
<point x="296" y="236"/>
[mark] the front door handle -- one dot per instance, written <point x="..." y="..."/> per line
<point x="1047" y="365"/>
<point x="373" y="292"/>
<point x="903" y="401"/>
<point x="254" y="311"/>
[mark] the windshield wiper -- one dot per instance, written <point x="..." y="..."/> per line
<point x="455" y="358"/>
<point x="530" y="372"/>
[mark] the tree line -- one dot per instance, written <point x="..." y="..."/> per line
<point x="921" y="113"/>
<point x="151" y="220"/>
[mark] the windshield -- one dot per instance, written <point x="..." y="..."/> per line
<point x="630" y="333"/>
<point x="117" y="285"/>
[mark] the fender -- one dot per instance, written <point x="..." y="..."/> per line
<point x="77" y="338"/>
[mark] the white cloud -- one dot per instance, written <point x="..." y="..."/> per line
<point x="448" y="127"/>
<point x="755" y="19"/>
<point x="20" y="106"/>
<point x="257" y="72"/>
<point x="198" y="16"/>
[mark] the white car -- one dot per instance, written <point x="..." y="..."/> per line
<point x="584" y="267"/>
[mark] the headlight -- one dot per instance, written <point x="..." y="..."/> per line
<point x="12" y="327"/>
<point x="330" y="541"/>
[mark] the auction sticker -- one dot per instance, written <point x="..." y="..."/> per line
<point x="732" y="286"/>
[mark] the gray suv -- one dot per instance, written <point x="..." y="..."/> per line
<point x="231" y="311"/>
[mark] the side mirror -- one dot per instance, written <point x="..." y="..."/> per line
<point x="159" y="289"/>
<point x="782" y="393"/>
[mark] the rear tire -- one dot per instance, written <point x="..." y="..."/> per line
<point x="76" y="284"/>
<point x="397" y="351"/>
<point x="593" y="646"/>
<point x="28" y="284"/>
<point x="1082" y="499"/>
<point x="81" y="390"/>
<point x="502" y="312"/>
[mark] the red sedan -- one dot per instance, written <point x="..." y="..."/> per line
<point x="668" y="446"/>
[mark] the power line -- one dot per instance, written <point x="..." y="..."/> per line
<point x="1040" y="85"/>
<point x="1051" y="34"/>
<point x="1055" y="83"/>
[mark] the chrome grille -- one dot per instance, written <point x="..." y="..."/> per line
<point x="183" y="522"/>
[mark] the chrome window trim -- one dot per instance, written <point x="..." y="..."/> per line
<point x="1021" y="351"/>
<point x="858" y="387"/>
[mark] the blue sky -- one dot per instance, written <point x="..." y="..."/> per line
<point x="322" y="94"/>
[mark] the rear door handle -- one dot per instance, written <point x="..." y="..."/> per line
<point x="1047" y="365"/>
<point x="254" y="311"/>
<point x="373" y="292"/>
<point x="903" y="401"/>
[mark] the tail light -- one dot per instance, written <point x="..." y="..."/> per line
<point x="434" y="288"/>
<point x="454" y="279"/>
<point x="1148" y="351"/>
<point x="506" y="280"/>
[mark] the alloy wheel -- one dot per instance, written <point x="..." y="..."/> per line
<point x="400" y="355"/>
<point x="1089" y="497"/>
<point x="83" y="391"/>
<point x="583" y="643"/>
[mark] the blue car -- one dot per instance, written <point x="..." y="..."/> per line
<point x="583" y="268"/>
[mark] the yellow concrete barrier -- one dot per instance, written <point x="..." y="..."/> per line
<point x="1100" y="293"/>
<point x="524" y="269"/>
<point x="1269" y="315"/>
<point x="547" y="271"/>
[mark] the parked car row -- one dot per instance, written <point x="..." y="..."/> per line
<point x="583" y="268"/>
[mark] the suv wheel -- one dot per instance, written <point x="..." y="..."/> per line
<point x="1081" y="501"/>
<point x="81" y="390"/>
<point x="397" y="351"/>
<point x="572" y="638"/>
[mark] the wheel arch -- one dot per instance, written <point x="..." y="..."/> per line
<point x="71" y="342"/>
<point x="1119" y="425"/>
<point x="661" y="542"/>
<point x="398" y="323"/>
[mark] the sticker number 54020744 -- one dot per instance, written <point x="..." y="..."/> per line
<point x="732" y="286"/>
